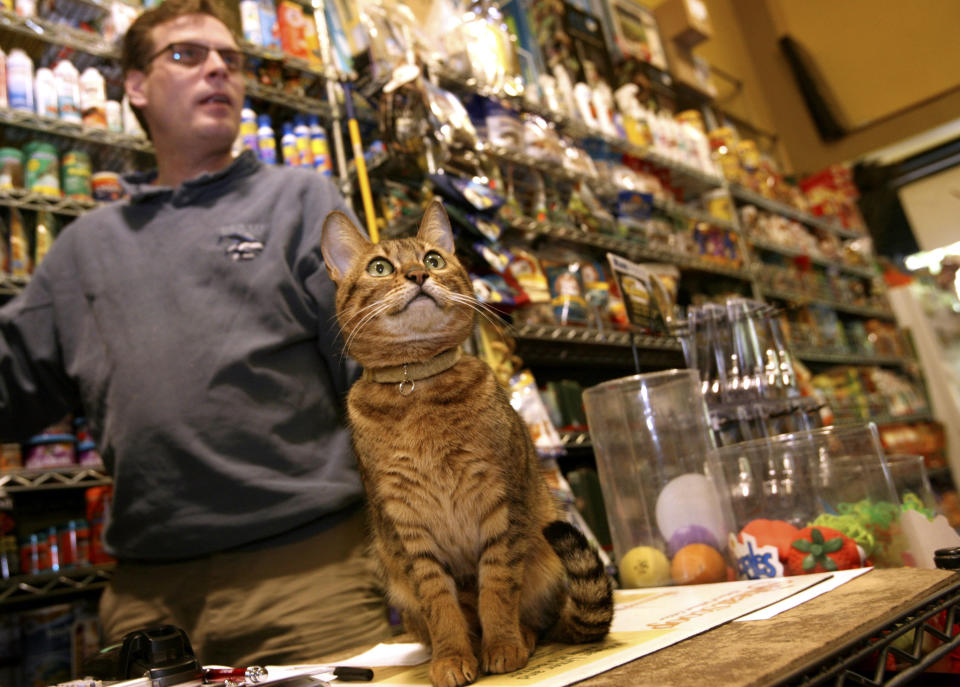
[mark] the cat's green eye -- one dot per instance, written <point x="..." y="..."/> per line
<point x="379" y="267"/>
<point x="434" y="261"/>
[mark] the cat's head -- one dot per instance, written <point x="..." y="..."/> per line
<point x="400" y="300"/>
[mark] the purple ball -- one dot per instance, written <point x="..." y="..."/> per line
<point x="691" y="534"/>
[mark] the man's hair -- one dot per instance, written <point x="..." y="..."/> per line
<point x="138" y="47"/>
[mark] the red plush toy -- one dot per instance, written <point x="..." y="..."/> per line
<point x="821" y="549"/>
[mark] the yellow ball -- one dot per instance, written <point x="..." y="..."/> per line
<point x="644" y="566"/>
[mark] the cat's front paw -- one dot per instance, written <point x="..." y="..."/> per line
<point x="504" y="656"/>
<point x="453" y="671"/>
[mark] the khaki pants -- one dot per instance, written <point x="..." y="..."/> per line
<point x="290" y="604"/>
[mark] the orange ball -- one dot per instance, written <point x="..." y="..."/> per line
<point x="698" y="564"/>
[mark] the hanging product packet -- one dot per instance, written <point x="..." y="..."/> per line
<point x="664" y="282"/>
<point x="525" y="399"/>
<point x="633" y="281"/>
<point x="525" y="268"/>
<point x="566" y="291"/>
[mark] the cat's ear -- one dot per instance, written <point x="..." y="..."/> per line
<point x="340" y="243"/>
<point x="435" y="227"/>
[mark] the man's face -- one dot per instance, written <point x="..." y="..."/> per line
<point x="196" y="106"/>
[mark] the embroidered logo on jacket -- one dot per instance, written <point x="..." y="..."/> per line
<point x="241" y="246"/>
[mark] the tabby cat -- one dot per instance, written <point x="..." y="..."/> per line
<point x="466" y="531"/>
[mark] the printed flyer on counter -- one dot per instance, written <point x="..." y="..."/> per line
<point x="645" y="621"/>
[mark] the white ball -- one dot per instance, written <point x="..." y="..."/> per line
<point x="690" y="500"/>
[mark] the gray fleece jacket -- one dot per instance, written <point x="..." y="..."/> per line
<point x="195" y="329"/>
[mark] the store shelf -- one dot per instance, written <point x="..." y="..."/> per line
<point x="57" y="127"/>
<point x="633" y="250"/>
<point x="576" y="440"/>
<point x="60" y="478"/>
<point x="590" y="336"/>
<point x="885" y="419"/>
<point x="810" y="355"/>
<point x="293" y="101"/>
<point x="27" y="200"/>
<point x="686" y="212"/>
<point x="290" y="61"/>
<point x="563" y="346"/>
<point x="748" y="196"/>
<point x="52" y="584"/>
<point x="58" y="34"/>
<point x="803" y="298"/>
<point x="864" y="272"/>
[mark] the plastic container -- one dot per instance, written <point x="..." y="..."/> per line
<point x="304" y="150"/>
<point x="93" y="99"/>
<point x="266" y="140"/>
<point x="319" y="147"/>
<point x="288" y="146"/>
<point x="20" y="81"/>
<point x="45" y="93"/>
<point x="114" y="114"/>
<point x="68" y="91"/>
<point x="832" y="477"/>
<point x="87" y="454"/>
<point x="49" y="451"/>
<point x="248" y="127"/>
<point x="665" y="500"/>
<point x="3" y="79"/>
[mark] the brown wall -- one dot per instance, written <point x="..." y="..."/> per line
<point x="876" y="57"/>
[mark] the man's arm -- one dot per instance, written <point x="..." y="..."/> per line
<point x="35" y="391"/>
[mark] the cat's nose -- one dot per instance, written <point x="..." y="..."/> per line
<point x="417" y="275"/>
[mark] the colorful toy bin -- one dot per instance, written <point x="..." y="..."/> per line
<point x="668" y="509"/>
<point x="812" y="501"/>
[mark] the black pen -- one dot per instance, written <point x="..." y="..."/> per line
<point x="259" y="674"/>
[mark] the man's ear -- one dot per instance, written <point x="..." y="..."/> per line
<point x="340" y="243"/>
<point x="133" y="85"/>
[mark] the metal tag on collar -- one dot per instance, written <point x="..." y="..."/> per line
<point x="402" y="387"/>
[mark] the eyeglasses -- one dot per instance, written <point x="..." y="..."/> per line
<point x="192" y="54"/>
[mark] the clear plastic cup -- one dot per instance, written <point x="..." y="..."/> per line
<point x="667" y="507"/>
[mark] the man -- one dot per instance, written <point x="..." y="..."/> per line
<point x="193" y="324"/>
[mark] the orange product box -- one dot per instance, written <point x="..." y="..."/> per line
<point x="292" y="23"/>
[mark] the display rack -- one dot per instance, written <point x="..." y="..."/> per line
<point x="53" y="585"/>
<point x="13" y="481"/>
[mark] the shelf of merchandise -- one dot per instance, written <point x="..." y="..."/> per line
<point x="789" y="251"/>
<point x="58" y="34"/>
<point x="548" y="344"/>
<point x="886" y="419"/>
<point x="811" y="355"/>
<point x="274" y="55"/>
<point x="21" y="480"/>
<point x="633" y="250"/>
<point x="573" y="440"/>
<point x="748" y="196"/>
<point x="42" y="586"/>
<point x="28" y="200"/>
<point x="58" y="127"/>
<point x="804" y="299"/>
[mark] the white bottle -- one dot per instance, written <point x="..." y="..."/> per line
<point x="304" y="149"/>
<point x="20" y="80"/>
<point x="114" y="116"/>
<point x="45" y="93"/>
<point x="3" y="79"/>
<point x="266" y="140"/>
<point x="93" y="98"/>
<point x="131" y="126"/>
<point x="68" y="91"/>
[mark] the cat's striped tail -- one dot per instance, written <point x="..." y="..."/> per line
<point x="588" y="609"/>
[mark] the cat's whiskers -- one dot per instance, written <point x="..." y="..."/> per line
<point x="484" y="310"/>
<point x="373" y="311"/>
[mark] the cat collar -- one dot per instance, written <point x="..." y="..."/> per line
<point x="406" y="375"/>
